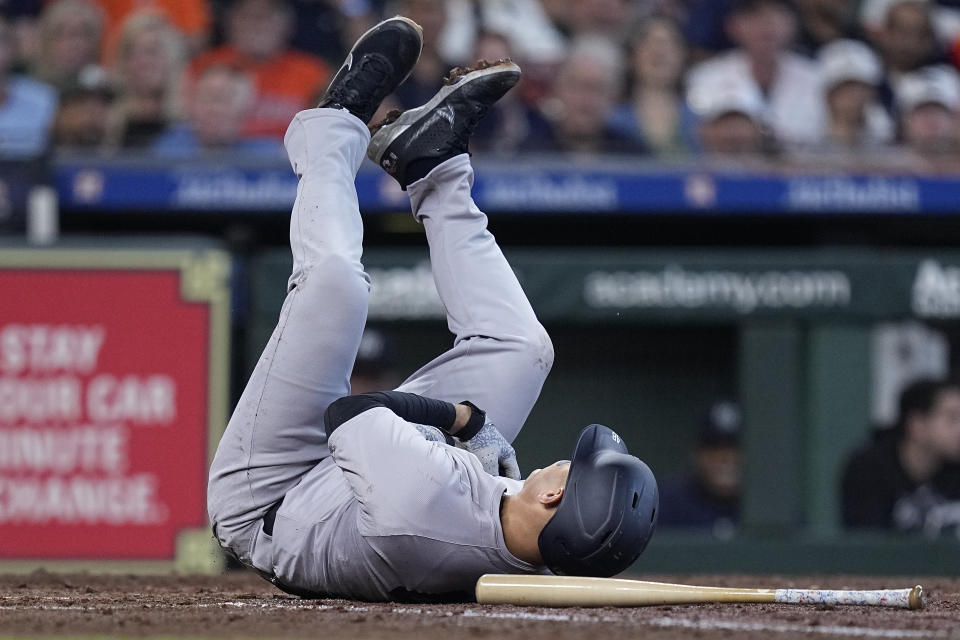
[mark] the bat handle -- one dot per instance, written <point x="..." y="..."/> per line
<point x="903" y="598"/>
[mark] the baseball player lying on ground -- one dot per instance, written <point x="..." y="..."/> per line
<point x="398" y="494"/>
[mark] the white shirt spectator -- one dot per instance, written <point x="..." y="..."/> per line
<point x="524" y="23"/>
<point x="793" y="108"/>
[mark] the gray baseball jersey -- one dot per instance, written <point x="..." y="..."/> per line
<point x="376" y="512"/>
<point x="390" y="515"/>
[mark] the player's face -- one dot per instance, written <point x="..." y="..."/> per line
<point x="549" y="477"/>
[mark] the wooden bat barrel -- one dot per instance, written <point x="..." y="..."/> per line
<point x="575" y="591"/>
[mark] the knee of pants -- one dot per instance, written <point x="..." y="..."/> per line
<point x="339" y="276"/>
<point x="219" y="497"/>
<point x="232" y="530"/>
<point x="537" y="342"/>
<point x="230" y="499"/>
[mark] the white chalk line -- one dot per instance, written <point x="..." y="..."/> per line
<point x="661" y="621"/>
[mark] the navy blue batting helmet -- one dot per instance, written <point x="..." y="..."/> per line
<point x="608" y="511"/>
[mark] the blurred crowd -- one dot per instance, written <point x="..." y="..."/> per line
<point x="798" y="80"/>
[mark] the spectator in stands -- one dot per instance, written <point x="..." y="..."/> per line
<point x="903" y="33"/>
<point x="604" y="18"/>
<point x="328" y="29"/>
<point x="286" y="81"/>
<point x="148" y="65"/>
<point x="908" y="478"/>
<point x="763" y="31"/>
<point x="656" y="112"/>
<point x="820" y="22"/>
<point x="426" y="78"/>
<point x="27" y="106"/>
<point x="851" y="72"/>
<point x="81" y="121"/>
<point x="525" y="24"/>
<point x="709" y="496"/>
<point x="558" y="11"/>
<point x="218" y="104"/>
<point x="824" y="21"/>
<point x="190" y="17"/>
<point x="507" y="123"/>
<point x="70" y="35"/>
<point x="730" y="116"/>
<point x="676" y="10"/>
<point x="23" y="17"/>
<point x="928" y="101"/>
<point x="576" y="117"/>
<point x="535" y="40"/>
<point x="704" y="28"/>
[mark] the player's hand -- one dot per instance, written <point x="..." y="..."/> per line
<point x="494" y="452"/>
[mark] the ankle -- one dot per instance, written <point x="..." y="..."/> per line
<point x="421" y="167"/>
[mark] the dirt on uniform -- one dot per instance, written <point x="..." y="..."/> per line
<point x="242" y="605"/>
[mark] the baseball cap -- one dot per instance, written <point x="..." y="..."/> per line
<point x="711" y="96"/>
<point x="608" y="511"/>
<point x="92" y="80"/>
<point x="873" y="13"/>
<point x="930" y="85"/>
<point x="722" y="425"/>
<point x="849" y="61"/>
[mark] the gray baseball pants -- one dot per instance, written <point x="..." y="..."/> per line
<point x="499" y="360"/>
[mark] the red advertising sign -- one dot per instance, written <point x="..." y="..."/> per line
<point x="105" y="408"/>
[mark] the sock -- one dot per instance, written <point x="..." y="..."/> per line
<point x="419" y="168"/>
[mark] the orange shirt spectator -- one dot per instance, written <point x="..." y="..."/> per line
<point x="285" y="84"/>
<point x="191" y="17"/>
<point x="286" y="81"/>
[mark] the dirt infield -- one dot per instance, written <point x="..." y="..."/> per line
<point x="242" y="605"/>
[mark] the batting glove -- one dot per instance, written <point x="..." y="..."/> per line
<point x="494" y="452"/>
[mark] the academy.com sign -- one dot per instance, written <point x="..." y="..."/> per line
<point x="675" y="287"/>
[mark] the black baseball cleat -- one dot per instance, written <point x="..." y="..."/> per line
<point x="409" y="144"/>
<point x="380" y="60"/>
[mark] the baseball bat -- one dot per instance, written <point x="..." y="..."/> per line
<point x="574" y="591"/>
